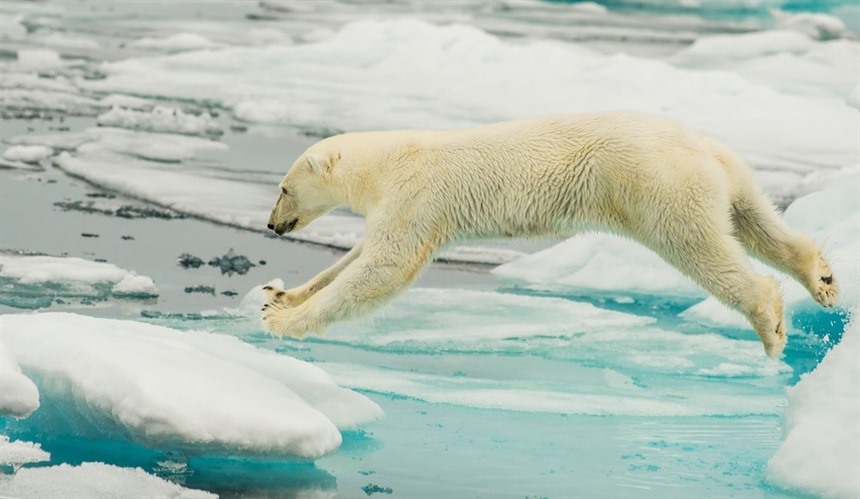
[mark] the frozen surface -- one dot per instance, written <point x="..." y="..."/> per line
<point x="27" y="154"/>
<point x="176" y="43"/>
<point x="160" y="119"/>
<point x="159" y="385"/>
<point x="49" y="276"/>
<point x="92" y="480"/>
<point x="18" y="395"/>
<point x="821" y="451"/>
<point x="16" y="453"/>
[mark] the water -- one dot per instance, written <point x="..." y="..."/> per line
<point x="489" y="387"/>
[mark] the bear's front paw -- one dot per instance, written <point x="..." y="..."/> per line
<point x="279" y="296"/>
<point x="280" y="320"/>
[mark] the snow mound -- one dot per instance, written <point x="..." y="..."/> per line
<point x="821" y="451"/>
<point x="27" y="154"/>
<point x="160" y="119"/>
<point x="18" y="395"/>
<point x="195" y="391"/>
<point x="69" y="276"/>
<point x="93" y="481"/>
<point x="16" y="453"/>
<point x="601" y="262"/>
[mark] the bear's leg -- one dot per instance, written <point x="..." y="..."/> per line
<point x="768" y="237"/>
<point x="300" y="294"/>
<point x="388" y="264"/>
<point x="716" y="261"/>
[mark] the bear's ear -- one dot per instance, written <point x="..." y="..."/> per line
<point x="320" y="165"/>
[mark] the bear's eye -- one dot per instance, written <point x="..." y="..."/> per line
<point x="284" y="191"/>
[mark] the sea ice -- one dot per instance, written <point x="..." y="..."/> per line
<point x="812" y="24"/>
<point x="93" y="481"/>
<point x="161" y="119"/>
<point x="69" y="276"/>
<point x="193" y="391"/>
<point x="821" y="451"/>
<point x="19" y="397"/>
<point x="17" y="453"/>
<point x="176" y="43"/>
<point x="27" y="154"/>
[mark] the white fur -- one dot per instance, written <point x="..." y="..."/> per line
<point x="681" y="194"/>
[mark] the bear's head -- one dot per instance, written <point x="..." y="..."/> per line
<point x="306" y="193"/>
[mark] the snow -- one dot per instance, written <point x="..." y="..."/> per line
<point x="598" y="261"/>
<point x="734" y="48"/>
<point x="195" y="391"/>
<point x="93" y="481"/>
<point x="16" y="453"/>
<point x="11" y="27"/>
<point x="75" y="274"/>
<point x="853" y="98"/>
<point x="19" y="397"/>
<point x="820" y="454"/>
<point x="814" y="25"/>
<point x="176" y="43"/>
<point x="401" y="62"/>
<point x="127" y="101"/>
<point x="64" y="41"/>
<point x="160" y="119"/>
<point x="39" y="59"/>
<point x="27" y="154"/>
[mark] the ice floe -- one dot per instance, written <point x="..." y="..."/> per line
<point x="27" y="154"/>
<point x="93" y="481"/>
<point x="161" y="119"/>
<point x="821" y="451"/>
<point x="175" y="43"/>
<point x="194" y="391"/>
<point x="16" y="453"/>
<point x="52" y="277"/>
<point x="19" y="397"/>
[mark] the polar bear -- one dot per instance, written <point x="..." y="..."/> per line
<point x="685" y="196"/>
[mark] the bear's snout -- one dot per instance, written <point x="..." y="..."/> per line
<point x="281" y="229"/>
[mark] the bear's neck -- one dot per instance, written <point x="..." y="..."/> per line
<point x="357" y="187"/>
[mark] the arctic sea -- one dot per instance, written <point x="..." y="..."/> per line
<point x="142" y="146"/>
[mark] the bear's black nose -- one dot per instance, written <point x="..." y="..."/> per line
<point x="271" y="226"/>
